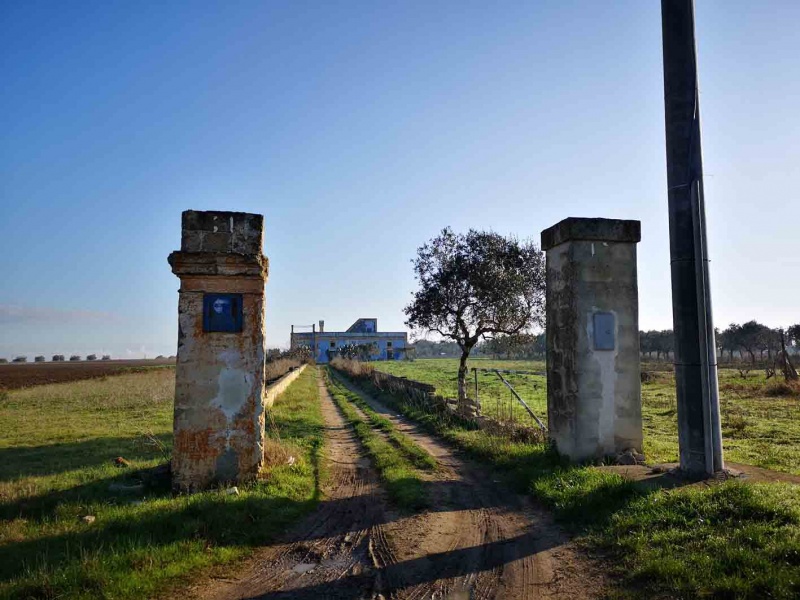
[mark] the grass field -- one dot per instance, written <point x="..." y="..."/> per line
<point x="57" y="447"/>
<point x="732" y="540"/>
<point x="758" y="428"/>
<point x="494" y="396"/>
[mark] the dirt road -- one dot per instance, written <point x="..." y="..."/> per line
<point x="478" y="540"/>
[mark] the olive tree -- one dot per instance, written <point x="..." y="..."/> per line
<point x="476" y="285"/>
<point x="750" y="338"/>
<point x="793" y="333"/>
<point x="729" y="340"/>
<point x="362" y="352"/>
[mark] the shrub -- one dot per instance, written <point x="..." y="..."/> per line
<point x="783" y="388"/>
<point x="301" y="353"/>
<point x="75" y="357"/>
<point x="278" y="368"/>
<point x="656" y="377"/>
<point x="38" y="359"/>
<point x="20" y="359"/>
<point x="354" y="368"/>
<point x="737" y="424"/>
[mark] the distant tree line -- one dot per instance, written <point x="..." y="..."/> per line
<point x="753" y="337"/>
<point x="518" y="346"/>
<point x="436" y="349"/>
<point x="658" y="343"/>
<point x="749" y="341"/>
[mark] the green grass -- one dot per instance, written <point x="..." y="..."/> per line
<point x="56" y="456"/>
<point x="403" y="480"/>
<point x="732" y="540"/>
<point x="418" y="456"/>
<point x="758" y="429"/>
<point x="495" y="397"/>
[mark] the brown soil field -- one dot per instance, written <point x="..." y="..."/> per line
<point x="20" y="375"/>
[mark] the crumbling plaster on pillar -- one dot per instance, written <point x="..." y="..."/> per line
<point x="219" y="394"/>
<point x="219" y="409"/>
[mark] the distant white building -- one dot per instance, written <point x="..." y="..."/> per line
<point x="326" y="344"/>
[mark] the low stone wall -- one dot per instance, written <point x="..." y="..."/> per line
<point x="276" y="389"/>
<point x="424" y="397"/>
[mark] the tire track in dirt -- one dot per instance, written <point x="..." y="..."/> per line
<point x="450" y="533"/>
<point x="499" y="545"/>
<point x="341" y="538"/>
<point x="478" y="540"/>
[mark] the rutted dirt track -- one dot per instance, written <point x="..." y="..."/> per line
<point x="478" y="540"/>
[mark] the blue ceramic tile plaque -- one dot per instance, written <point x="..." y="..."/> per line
<point x="603" y="326"/>
<point x="222" y="312"/>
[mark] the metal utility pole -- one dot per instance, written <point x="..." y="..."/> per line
<point x="699" y="431"/>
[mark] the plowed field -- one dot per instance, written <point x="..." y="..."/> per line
<point x="19" y="375"/>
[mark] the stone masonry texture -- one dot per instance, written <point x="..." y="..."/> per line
<point x="219" y="395"/>
<point x="593" y="396"/>
<point x="234" y="232"/>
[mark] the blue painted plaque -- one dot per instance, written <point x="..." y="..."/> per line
<point x="604" y="333"/>
<point x="222" y="312"/>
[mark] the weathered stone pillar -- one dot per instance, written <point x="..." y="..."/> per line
<point x="219" y="408"/>
<point x="593" y="379"/>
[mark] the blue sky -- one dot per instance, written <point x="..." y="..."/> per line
<point x="359" y="130"/>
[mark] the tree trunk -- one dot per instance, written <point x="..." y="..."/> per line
<point x="789" y="372"/>
<point x="462" y="376"/>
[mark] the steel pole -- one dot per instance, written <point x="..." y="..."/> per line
<point x="699" y="430"/>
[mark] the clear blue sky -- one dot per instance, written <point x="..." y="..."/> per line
<point x="359" y="130"/>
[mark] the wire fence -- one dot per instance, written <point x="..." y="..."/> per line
<point x="509" y="396"/>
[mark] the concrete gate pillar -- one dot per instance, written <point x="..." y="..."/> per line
<point x="593" y="378"/>
<point x="219" y="407"/>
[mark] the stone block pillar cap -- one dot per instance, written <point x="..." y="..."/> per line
<point x="222" y="232"/>
<point x="596" y="230"/>
<point x="220" y="243"/>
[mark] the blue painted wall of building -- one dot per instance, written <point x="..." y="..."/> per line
<point x="390" y="345"/>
